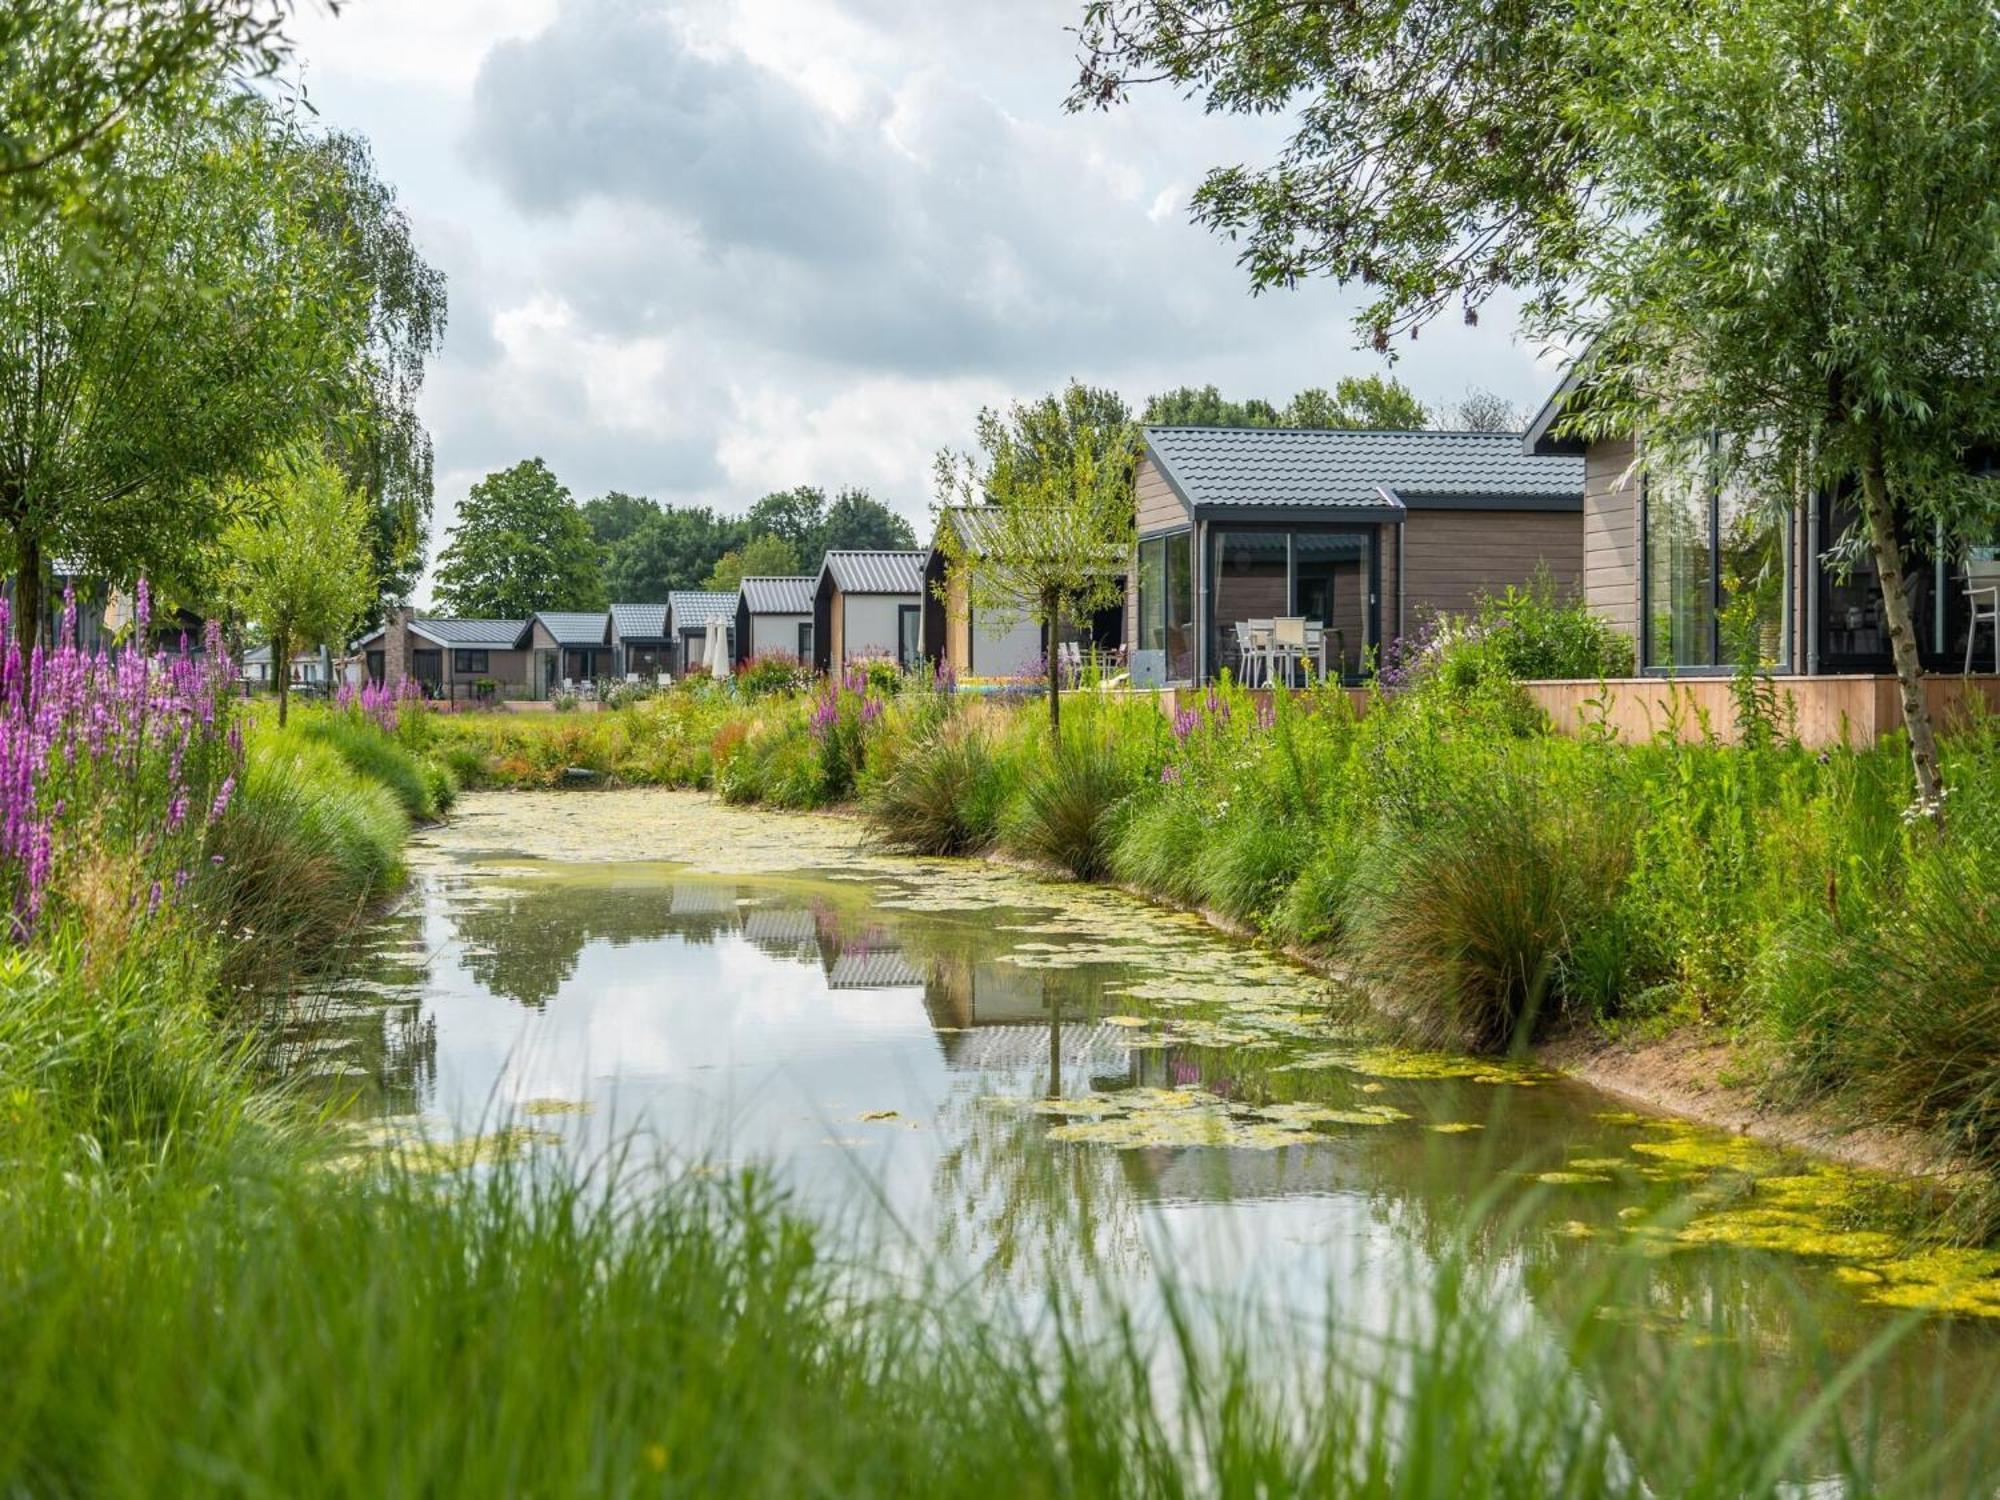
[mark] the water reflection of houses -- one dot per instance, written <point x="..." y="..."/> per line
<point x="782" y="931"/>
<point x="990" y="1014"/>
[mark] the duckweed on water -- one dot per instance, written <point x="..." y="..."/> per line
<point x="404" y="1145"/>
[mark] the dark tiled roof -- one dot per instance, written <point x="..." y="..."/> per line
<point x="640" y="622"/>
<point x="877" y="572"/>
<point x="1282" y="466"/>
<point x="779" y="596"/>
<point x="489" y="635"/>
<point x="573" y="628"/>
<point x="695" y="608"/>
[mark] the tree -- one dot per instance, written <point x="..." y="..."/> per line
<point x="856" y="521"/>
<point x="377" y="437"/>
<point x="74" y="77"/>
<point x="1380" y="402"/>
<point x="614" y="517"/>
<point x="297" y="560"/>
<point x="1769" y="219"/>
<point x="521" y="545"/>
<point x="1485" y="411"/>
<point x="1432" y="159"/>
<point x="1356" y="401"/>
<point x="765" y="556"/>
<point x="798" y="515"/>
<point x="1050" y="511"/>
<point x="1809" y="301"/>
<point x="141" y="370"/>
<point x="673" y="549"/>
<point x="1185" y="406"/>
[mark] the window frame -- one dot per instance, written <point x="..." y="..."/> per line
<point x="469" y="662"/>
<point x="1715" y="600"/>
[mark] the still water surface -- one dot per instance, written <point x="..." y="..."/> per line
<point x="997" y="1075"/>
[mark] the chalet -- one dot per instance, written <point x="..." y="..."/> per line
<point x="460" y="660"/>
<point x="1361" y="534"/>
<point x="569" y="647"/>
<point x="1698" y="573"/>
<point x="868" y="604"/>
<point x="691" y="614"/>
<point x="637" y="636"/>
<point x="774" y="615"/>
<point x="961" y="636"/>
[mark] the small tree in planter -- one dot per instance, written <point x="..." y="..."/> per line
<point x="1044" y="518"/>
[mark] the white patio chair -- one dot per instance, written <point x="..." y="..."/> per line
<point x="1982" y="593"/>
<point x="1288" y="643"/>
<point x="1246" y="655"/>
<point x="633" y="678"/>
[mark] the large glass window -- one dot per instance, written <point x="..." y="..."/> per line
<point x="1323" y="575"/>
<point x="1718" y="575"/>
<point x="1166" y="602"/>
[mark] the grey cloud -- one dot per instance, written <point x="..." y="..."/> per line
<point x="736" y="206"/>
<point x="608" y="102"/>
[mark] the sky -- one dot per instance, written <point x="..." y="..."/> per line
<point x="705" y="249"/>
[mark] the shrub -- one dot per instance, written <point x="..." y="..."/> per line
<point x="625" y="694"/>
<point x="1468" y="925"/>
<point x="1067" y="811"/>
<point x="943" y="795"/>
<point x="772" y="674"/>
<point x="424" y="791"/>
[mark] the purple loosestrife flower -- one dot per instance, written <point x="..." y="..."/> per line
<point x="221" y="803"/>
<point x="1186" y="721"/>
<point x="1170" y="775"/>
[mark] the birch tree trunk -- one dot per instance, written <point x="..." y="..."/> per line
<point x="1902" y="630"/>
<point x="1052" y="613"/>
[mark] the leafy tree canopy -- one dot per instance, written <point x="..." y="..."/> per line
<point x="141" y="370"/>
<point x="376" y="436"/>
<point x="798" y="515"/>
<point x="521" y="545"/>
<point x="615" y="516"/>
<point x="75" y="75"/>
<point x="297" y="560"/>
<point x="857" y="520"/>
<point x="1357" y="401"/>
<point x="765" y="556"/>
<point x="675" y="548"/>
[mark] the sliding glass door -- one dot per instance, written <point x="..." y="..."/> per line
<point x="1325" y="575"/>
<point x="1166" y="602"/>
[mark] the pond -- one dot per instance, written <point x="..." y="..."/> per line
<point x="1000" y="1075"/>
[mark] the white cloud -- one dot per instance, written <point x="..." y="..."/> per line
<point x="708" y="248"/>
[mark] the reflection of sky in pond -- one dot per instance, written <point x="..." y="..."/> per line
<point x="880" y="1032"/>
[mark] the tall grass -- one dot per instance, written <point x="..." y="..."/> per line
<point x="270" y="1330"/>
<point x="425" y="789"/>
<point x="313" y="839"/>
